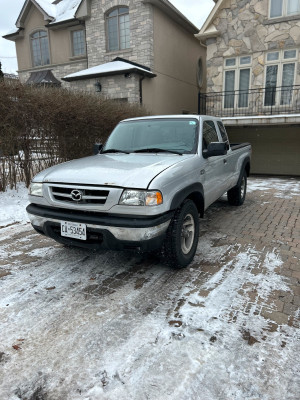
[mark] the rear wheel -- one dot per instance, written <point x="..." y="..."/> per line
<point x="182" y="236"/>
<point x="236" y="196"/>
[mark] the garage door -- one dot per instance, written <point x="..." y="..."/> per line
<point x="275" y="150"/>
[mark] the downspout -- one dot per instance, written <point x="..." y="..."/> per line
<point x="141" y="89"/>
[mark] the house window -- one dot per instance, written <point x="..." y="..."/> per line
<point x="280" y="75"/>
<point x="78" y="43"/>
<point x="40" y="48"/>
<point x="237" y="81"/>
<point x="283" y="8"/>
<point x="118" y="29"/>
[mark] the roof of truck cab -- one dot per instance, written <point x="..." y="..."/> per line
<point x="175" y="116"/>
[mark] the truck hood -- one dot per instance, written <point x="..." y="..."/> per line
<point x="121" y="170"/>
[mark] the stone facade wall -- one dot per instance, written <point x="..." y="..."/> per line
<point x="245" y="29"/>
<point x="141" y="28"/>
<point x="114" y="87"/>
<point x="59" y="71"/>
<point x="140" y="51"/>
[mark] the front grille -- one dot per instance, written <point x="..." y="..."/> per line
<point x="79" y="196"/>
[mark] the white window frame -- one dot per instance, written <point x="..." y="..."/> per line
<point x="237" y="68"/>
<point x="284" y="10"/>
<point x="280" y="62"/>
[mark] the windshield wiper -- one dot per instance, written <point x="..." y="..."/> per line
<point x="157" y="150"/>
<point x="114" y="151"/>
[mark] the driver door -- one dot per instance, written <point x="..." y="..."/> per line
<point x="213" y="170"/>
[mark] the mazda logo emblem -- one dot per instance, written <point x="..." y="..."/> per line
<point x="76" y="195"/>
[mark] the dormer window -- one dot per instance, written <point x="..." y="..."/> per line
<point x="40" y="48"/>
<point x="283" y="8"/>
<point x="118" y="29"/>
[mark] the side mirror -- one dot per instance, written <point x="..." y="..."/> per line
<point x="215" y="149"/>
<point x="97" y="148"/>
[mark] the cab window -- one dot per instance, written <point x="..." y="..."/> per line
<point x="209" y="134"/>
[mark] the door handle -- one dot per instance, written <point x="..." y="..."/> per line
<point x="202" y="172"/>
<point x="225" y="161"/>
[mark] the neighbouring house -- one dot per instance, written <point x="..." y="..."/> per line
<point x="11" y="78"/>
<point x="130" y="50"/>
<point x="7" y="77"/>
<point x="253" y="78"/>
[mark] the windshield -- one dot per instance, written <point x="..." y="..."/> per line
<point x="177" y="136"/>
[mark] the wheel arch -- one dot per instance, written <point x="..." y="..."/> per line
<point x="193" y="192"/>
<point x="246" y="166"/>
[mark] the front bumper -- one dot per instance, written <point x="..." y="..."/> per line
<point x="103" y="231"/>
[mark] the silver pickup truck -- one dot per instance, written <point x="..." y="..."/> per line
<point x="144" y="189"/>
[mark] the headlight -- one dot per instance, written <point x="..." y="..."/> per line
<point x="36" y="189"/>
<point x="141" y="198"/>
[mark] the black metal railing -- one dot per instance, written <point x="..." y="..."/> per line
<point x="263" y="101"/>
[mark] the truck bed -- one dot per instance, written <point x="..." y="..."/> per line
<point x="236" y="146"/>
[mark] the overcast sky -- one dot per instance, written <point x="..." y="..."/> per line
<point x="195" y="10"/>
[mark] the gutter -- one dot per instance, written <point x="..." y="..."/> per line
<point x="15" y="35"/>
<point x="207" y="35"/>
<point x="64" y="22"/>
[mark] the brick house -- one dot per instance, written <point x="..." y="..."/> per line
<point x="253" y="78"/>
<point x="131" y="50"/>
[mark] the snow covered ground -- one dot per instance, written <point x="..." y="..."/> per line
<point x="92" y="326"/>
<point x="12" y="206"/>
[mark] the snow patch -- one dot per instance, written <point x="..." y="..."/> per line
<point x="13" y="204"/>
<point x="285" y="188"/>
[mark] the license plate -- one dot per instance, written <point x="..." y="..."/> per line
<point x="73" y="230"/>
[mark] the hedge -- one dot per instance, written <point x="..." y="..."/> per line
<point x="42" y="126"/>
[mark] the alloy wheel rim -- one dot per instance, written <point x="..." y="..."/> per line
<point x="243" y="187"/>
<point x="187" y="234"/>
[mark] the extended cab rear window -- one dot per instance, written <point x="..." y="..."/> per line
<point x="223" y="133"/>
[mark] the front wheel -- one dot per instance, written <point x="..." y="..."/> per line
<point x="181" y="240"/>
<point x="236" y="196"/>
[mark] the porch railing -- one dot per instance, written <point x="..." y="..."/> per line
<point x="263" y="101"/>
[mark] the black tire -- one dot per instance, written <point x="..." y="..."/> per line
<point x="182" y="236"/>
<point x="236" y="196"/>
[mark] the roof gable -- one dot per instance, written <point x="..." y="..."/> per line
<point x="53" y="11"/>
<point x="42" y="5"/>
<point x="207" y="30"/>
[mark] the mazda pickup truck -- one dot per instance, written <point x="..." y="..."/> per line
<point x="145" y="189"/>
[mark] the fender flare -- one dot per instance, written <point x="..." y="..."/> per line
<point x="245" y="162"/>
<point x="194" y="192"/>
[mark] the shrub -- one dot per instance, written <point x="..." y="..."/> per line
<point x="40" y="127"/>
